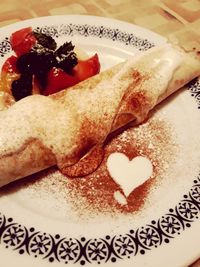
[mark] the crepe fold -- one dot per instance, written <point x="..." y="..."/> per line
<point x="68" y="129"/>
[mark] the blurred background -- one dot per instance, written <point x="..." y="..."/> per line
<point x="175" y="19"/>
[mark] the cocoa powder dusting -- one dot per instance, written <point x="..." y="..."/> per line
<point x="95" y="192"/>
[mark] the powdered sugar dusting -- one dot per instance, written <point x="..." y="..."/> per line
<point x="88" y="197"/>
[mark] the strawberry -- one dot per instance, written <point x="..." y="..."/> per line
<point x="57" y="80"/>
<point x="10" y="65"/>
<point x="87" y="68"/>
<point x="22" y="41"/>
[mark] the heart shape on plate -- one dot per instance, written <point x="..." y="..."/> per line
<point x="129" y="174"/>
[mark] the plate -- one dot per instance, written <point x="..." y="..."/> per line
<point x="50" y="220"/>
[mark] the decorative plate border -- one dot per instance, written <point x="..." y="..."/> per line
<point x="107" y="249"/>
<point x="86" y="30"/>
<point x="194" y="88"/>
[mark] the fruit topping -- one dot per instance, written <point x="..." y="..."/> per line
<point x="22" y="41"/>
<point x="31" y="62"/>
<point x="66" y="57"/>
<point x="42" y="67"/>
<point x="45" y="40"/>
<point x="38" y="64"/>
<point x="22" y="87"/>
<point x="58" y="79"/>
<point x="87" y="68"/>
<point x="10" y="65"/>
<point x="9" y="73"/>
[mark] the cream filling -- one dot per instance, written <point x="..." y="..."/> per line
<point x="161" y="65"/>
<point x="166" y="65"/>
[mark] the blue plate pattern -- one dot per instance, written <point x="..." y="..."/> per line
<point x="86" y="31"/>
<point x="108" y="248"/>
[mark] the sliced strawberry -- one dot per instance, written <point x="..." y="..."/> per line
<point x="22" y="41"/>
<point x="58" y="80"/>
<point x="10" y="65"/>
<point x="87" y="68"/>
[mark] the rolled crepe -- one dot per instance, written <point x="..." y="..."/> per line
<point x="68" y="129"/>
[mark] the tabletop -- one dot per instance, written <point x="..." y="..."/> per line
<point x="176" y="20"/>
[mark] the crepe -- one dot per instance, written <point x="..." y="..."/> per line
<point x="69" y="128"/>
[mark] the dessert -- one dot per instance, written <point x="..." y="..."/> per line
<point x="69" y="128"/>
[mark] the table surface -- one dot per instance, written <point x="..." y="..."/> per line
<point x="174" y="19"/>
